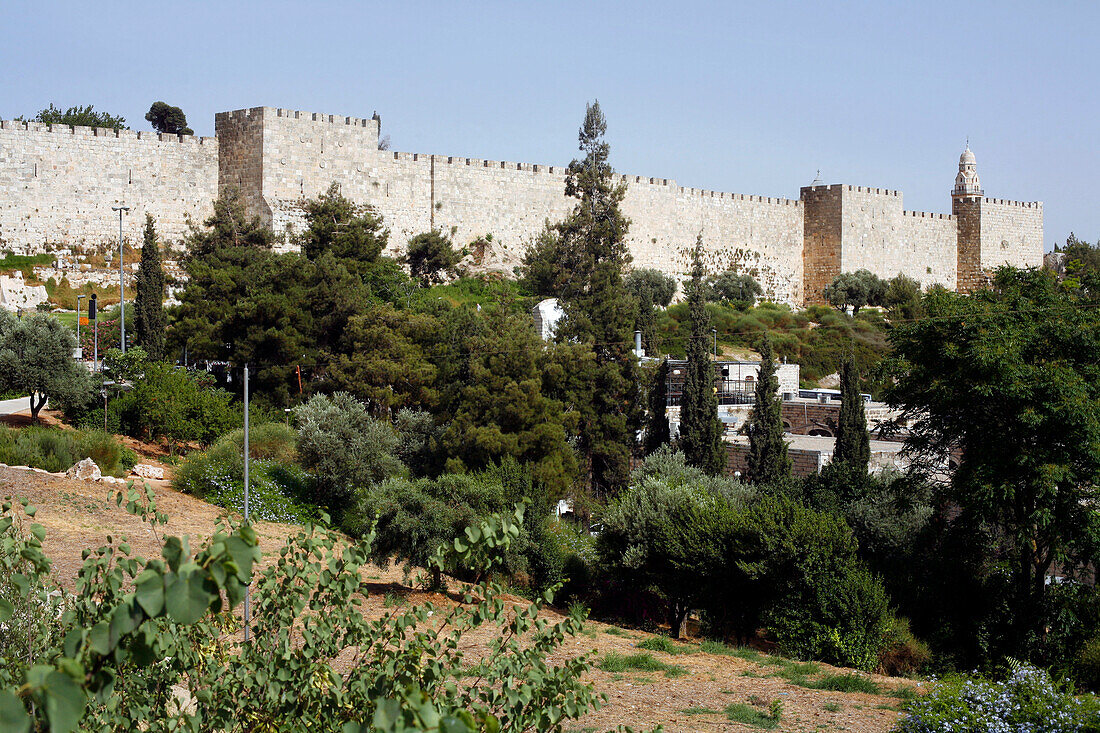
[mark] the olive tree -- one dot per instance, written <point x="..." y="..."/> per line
<point x="36" y="358"/>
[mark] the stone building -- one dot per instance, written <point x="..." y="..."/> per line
<point x="57" y="184"/>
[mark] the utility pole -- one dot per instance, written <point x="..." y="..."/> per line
<point x="247" y="609"/>
<point x="121" y="208"/>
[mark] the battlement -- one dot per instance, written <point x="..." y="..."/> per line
<point x="852" y="189"/>
<point x="1018" y="204"/>
<point x="875" y="191"/>
<point x="293" y="114"/>
<point x="108" y="132"/>
<point x="929" y="215"/>
<point x="975" y="199"/>
<point x="319" y="117"/>
<point x="776" y="200"/>
<point x="559" y="171"/>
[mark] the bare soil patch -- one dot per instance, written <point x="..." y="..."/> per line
<point x="79" y="515"/>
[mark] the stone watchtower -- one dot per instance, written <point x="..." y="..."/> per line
<point x="992" y="232"/>
<point x="966" y="205"/>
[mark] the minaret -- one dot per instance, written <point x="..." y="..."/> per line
<point x="967" y="183"/>
<point x="966" y="205"/>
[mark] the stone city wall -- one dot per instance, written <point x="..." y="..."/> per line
<point x="1012" y="233"/>
<point x="58" y="183"/>
<point x="926" y="249"/>
<point x="879" y="235"/>
<point x="467" y="198"/>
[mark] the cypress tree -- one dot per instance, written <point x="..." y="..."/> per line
<point x="150" y="320"/>
<point x="599" y="310"/>
<point x="768" y="459"/>
<point x="647" y="323"/>
<point x="853" y="444"/>
<point x="700" y="430"/>
<point x="657" y="431"/>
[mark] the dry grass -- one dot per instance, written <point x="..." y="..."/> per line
<point x="79" y="515"/>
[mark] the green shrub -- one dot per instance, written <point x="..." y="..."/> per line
<point x="170" y="403"/>
<point x="838" y="618"/>
<point x="344" y="448"/>
<point x="56" y="450"/>
<point x="902" y="653"/>
<point x="276" y="490"/>
<point x="39" y="447"/>
<point x="34" y="625"/>
<point x="110" y="455"/>
<point x="414" y="517"/>
<point x="794" y="570"/>
<point x="579" y="562"/>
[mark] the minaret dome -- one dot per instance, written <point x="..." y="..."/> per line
<point x="966" y="182"/>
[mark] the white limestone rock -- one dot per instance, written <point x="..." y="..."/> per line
<point x="145" y="470"/>
<point x="85" y="470"/>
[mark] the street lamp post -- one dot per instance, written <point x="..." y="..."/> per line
<point x="93" y="311"/>
<point x="121" y="209"/>
<point x="714" y="332"/>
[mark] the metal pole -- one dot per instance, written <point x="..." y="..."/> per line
<point x="121" y="287"/>
<point x="121" y="208"/>
<point x="78" y="299"/>
<point x="247" y="610"/>
<point x="95" y="339"/>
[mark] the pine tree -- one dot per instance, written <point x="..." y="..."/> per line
<point x="853" y="444"/>
<point x="150" y="320"/>
<point x="700" y="431"/>
<point x="599" y="309"/>
<point x="768" y="459"/>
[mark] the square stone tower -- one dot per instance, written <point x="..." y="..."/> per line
<point x="277" y="157"/>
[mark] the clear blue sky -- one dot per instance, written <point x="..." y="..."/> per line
<point x="742" y="97"/>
